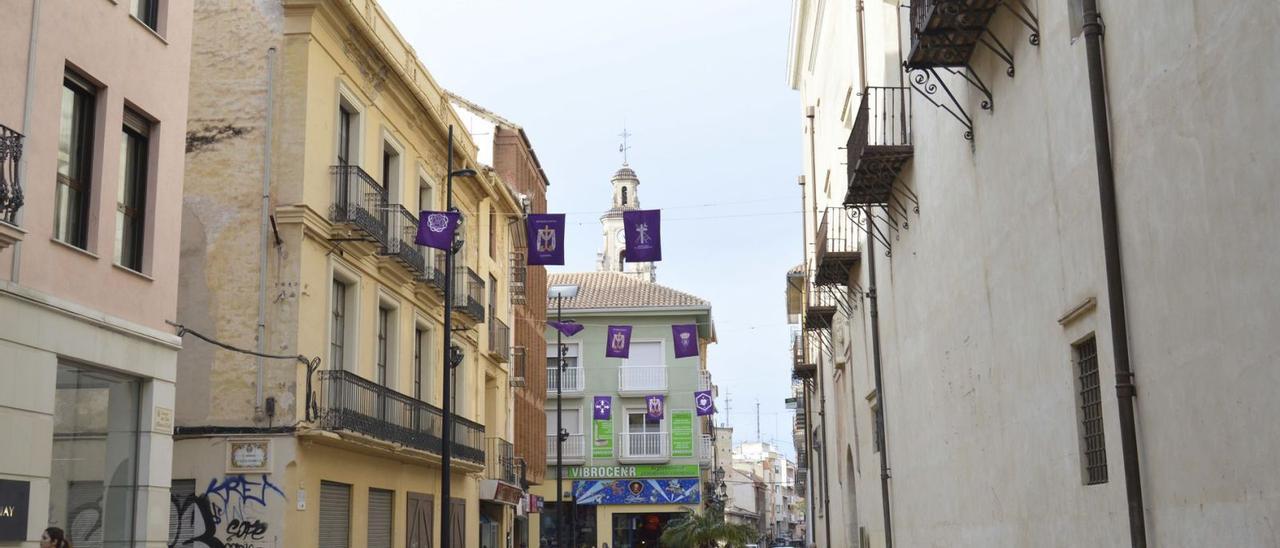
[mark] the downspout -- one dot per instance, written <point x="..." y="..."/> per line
<point x="822" y="390"/>
<point x="1125" y="390"/>
<point x="808" y="449"/>
<point x="265" y="232"/>
<point x="874" y="308"/>
<point x="15" y="265"/>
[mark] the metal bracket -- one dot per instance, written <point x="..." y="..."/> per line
<point x="997" y="47"/>
<point x="1024" y="14"/>
<point x="926" y="82"/>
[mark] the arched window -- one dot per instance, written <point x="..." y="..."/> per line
<point x="624" y="195"/>
<point x="622" y="260"/>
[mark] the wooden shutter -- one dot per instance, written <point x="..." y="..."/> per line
<point x="381" y="508"/>
<point x="335" y="515"/>
<point x="457" y="523"/>
<point x="420" y="515"/>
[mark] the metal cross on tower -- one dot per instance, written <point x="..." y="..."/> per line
<point x="623" y="148"/>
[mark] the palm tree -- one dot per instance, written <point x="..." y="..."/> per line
<point x="706" y="530"/>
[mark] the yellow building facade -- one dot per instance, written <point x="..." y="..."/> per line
<point x="316" y="139"/>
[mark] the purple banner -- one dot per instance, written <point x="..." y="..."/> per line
<point x="569" y="329"/>
<point x="643" y="235"/>
<point x="436" y="228"/>
<point x="653" y="407"/>
<point x="603" y="408"/>
<point x="618" y="342"/>
<point x="686" y="340"/>
<point x="704" y="403"/>
<point x="545" y="235"/>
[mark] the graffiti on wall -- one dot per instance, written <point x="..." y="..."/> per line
<point x="230" y="512"/>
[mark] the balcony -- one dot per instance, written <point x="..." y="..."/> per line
<point x="519" y="363"/>
<point x="644" y="447"/>
<point x="801" y="367"/>
<point x="360" y="202"/>
<point x="499" y="340"/>
<point x="640" y="380"/>
<point x="10" y="188"/>
<point x="819" y="306"/>
<point x="837" y="247"/>
<point x="500" y="460"/>
<point x="435" y="268"/>
<point x="402" y="229"/>
<point x="575" y="450"/>
<point x="468" y="293"/>
<point x="944" y="33"/>
<point x="878" y="147"/>
<point x="706" y="451"/>
<point x="519" y="277"/>
<point x="349" y="402"/>
<point x="704" y="380"/>
<point x="573" y="380"/>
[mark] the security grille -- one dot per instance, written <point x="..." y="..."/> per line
<point x="335" y="515"/>
<point x="381" y="507"/>
<point x="182" y="513"/>
<point x="1093" y="441"/>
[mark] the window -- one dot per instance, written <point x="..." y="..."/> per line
<point x="391" y="171"/>
<point x="421" y="355"/>
<point x="75" y="162"/>
<point x="92" y="481"/>
<point x="624" y="195"/>
<point x="622" y="260"/>
<point x="131" y="193"/>
<point x="570" y="355"/>
<point x="346" y="131"/>
<point x="1092" y="441"/>
<point x="384" y="319"/>
<point x="639" y="422"/>
<point x="338" y="338"/>
<point x="1075" y="9"/>
<point x="646" y="353"/>
<point x="147" y="11"/>
<point x="426" y="196"/>
<point x="381" y="508"/>
<point x="493" y="235"/>
<point x="570" y="419"/>
<point x="335" y="515"/>
<point x="877" y="429"/>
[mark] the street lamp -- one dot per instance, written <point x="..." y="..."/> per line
<point x="560" y="292"/>
<point x="452" y="355"/>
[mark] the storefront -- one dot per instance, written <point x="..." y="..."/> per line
<point x="630" y="511"/>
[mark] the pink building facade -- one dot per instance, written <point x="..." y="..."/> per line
<point x="97" y="91"/>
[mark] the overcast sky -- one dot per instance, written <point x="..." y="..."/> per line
<point x="716" y="143"/>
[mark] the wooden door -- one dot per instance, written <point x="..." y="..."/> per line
<point x="458" y="523"/>
<point x="420" y="520"/>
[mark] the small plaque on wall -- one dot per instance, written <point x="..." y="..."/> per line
<point x="15" y="496"/>
<point x="249" y="456"/>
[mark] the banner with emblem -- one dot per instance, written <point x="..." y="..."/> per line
<point x="686" y="340"/>
<point x="603" y="408"/>
<point x="643" y="229"/>
<point x="654" y="406"/>
<point x="704" y="403"/>
<point x="544" y="233"/>
<point x="618" y="342"/>
<point x="436" y="228"/>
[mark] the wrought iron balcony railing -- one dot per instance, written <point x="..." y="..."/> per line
<point x="837" y="249"/>
<point x="519" y="363"/>
<point x="350" y="402"/>
<point x="519" y="277"/>
<point x="802" y="367"/>
<point x="10" y="188"/>
<point x="402" y="229"/>
<point x="499" y="339"/>
<point x="820" y="306"/>
<point x="944" y="33"/>
<point x="879" y="145"/>
<point x="468" y="292"/>
<point x="360" y="201"/>
<point x="574" y="450"/>
<point x="435" y="259"/>
<point x="500" y="460"/>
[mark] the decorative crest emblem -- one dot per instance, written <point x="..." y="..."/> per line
<point x="546" y="239"/>
<point x="437" y="222"/>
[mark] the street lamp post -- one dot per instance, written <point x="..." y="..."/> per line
<point x="452" y="356"/>
<point x="560" y="292"/>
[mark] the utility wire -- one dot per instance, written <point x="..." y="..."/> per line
<point x="184" y="330"/>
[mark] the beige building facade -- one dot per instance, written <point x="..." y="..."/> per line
<point x="980" y="361"/>
<point x="317" y="138"/>
<point x="93" y="104"/>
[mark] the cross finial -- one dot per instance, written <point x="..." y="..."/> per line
<point x="623" y="148"/>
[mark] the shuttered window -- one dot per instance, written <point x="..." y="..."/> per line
<point x="381" y="509"/>
<point x="335" y="515"/>
<point x="182" y="510"/>
<point x="458" y="523"/>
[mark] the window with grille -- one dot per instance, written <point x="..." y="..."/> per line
<point x="1093" y="443"/>
<point x="337" y="338"/>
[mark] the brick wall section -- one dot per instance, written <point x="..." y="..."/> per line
<point x="515" y="163"/>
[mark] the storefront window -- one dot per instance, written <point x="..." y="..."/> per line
<point x="640" y="530"/>
<point x="95" y="449"/>
<point x="580" y="533"/>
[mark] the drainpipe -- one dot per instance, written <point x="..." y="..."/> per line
<point x="822" y="390"/>
<point x="1125" y="389"/>
<point x="874" y="309"/>
<point x="264" y="230"/>
<point x="15" y="264"/>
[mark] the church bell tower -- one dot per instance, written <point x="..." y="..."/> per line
<point x="625" y="196"/>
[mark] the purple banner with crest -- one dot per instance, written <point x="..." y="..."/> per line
<point x="653" y="406"/>
<point x="603" y="408"/>
<point x="436" y="228"/>
<point x="544" y="233"/>
<point x="685" y="338"/>
<point x="643" y="229"/>
<point x="704" y="403"/>
<point x="618" y="342"/>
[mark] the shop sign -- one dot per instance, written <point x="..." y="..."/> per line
<point x="15" y="496"/>
<point x="535" y="504"/>
<point x="630" y="472"/>
<point x="602" y="439"/>
<point x="682" y="433"/>
<point x="645" y="491"/>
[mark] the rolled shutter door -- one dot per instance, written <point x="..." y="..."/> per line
<point x="381" y="505"/>
<point x="335" y="515"/>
